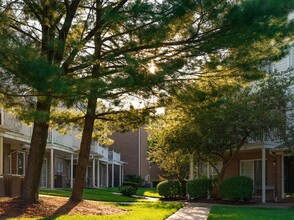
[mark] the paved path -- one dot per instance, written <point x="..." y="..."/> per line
<point x="192" y="211"/>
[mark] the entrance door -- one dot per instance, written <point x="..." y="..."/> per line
<point x="289" y="174"/>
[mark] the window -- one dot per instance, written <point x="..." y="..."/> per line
<point x="252" y="169"/>
<point x="207" y="169"/>
<point x="20" y="163"/>
<point x="59" y="166"/>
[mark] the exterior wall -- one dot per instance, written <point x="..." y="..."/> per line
<point x="145" y="167"/>
<point x="273" y="164"/>
<point x="127" y="144"/>
<point x="133" y="147"/>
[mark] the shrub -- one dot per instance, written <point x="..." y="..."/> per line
<point x="198" y="188"/>
<point x="128" y="190"/>
<point x="169" y="188"/>
<point x="134" y="178"/>
<point x="236" y="188"/>
<point x="155" y="182"/>
<point x="132" y="184"/>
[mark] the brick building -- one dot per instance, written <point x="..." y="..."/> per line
<point x="133" y="149"/>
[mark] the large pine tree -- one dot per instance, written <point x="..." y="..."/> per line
<point x="80" y="51"/>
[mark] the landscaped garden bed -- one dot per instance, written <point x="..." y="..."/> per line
<point x="53" y="206"/>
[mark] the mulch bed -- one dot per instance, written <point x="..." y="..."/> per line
<point x="52" y="207"/>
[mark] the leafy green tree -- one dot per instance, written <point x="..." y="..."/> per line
<point x="216" y="121"/>
<point x="73" y="52"/>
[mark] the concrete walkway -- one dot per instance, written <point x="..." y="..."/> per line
<point x="192" y="211"/>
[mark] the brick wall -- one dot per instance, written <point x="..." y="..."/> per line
<point x="273" y="167"/>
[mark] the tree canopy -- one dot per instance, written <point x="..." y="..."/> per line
<point x="64" y="53"/>
<point x="215" y="121"/>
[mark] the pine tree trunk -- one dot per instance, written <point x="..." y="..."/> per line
<point x="30" y="188"/>
<point x="85" y="147"/>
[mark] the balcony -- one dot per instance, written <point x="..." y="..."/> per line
<point x="15" y="125"/>
<point x="114" y="156"/>
<point x="57" y="138"/>
<point x="98" y="149"/>
<point x="272" y="136"/>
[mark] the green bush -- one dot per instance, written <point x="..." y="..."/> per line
<point x="236" y="188"/>
<point x="155" y="182"/>
<point x="128" y="190"/>
<point x="132" y="184"/>
<point x="198" y="188"/>
<point x="134" y="178"/>
<point x="169" y="188"/>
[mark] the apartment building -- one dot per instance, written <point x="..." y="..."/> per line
<point x="61" y="155"/>
<point x="267" y="163"/>
<point x="133" y="147"/>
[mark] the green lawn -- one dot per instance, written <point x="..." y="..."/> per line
<point x="246" y="213"/>
<point x="138" y="211"/>
<point x="103" y="194"/>
<point x="150" y="192"/>
<point x="92" y="194"/>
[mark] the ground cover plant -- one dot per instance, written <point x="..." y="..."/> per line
<point x="245" y="213"/>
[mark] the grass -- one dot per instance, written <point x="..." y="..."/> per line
<point x="245" y="213"/>
<point x="150" y="192"/>
<point x="142" y="211"/>
<point x="101" y="194"/>
<point x="137" y="210"/>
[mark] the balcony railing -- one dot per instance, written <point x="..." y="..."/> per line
<point x="98" y="149"/>
<point x="113" y="156"/>
<point x="55" y="137"/>
<point x="15" y="125"/>
<point x="269" y="136"/>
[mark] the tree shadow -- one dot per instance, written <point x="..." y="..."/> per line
<point x="64" y="209"/>
<point x="13" y="208"/>
<point x="17" y="207"/>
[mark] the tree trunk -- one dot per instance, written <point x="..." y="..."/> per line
<point x="85" y="147"/>
<point x="30" y="189"/>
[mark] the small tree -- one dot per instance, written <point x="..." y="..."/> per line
<point x="216" y="122"/>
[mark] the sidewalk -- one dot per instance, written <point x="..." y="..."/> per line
<point x="192" y="211"/>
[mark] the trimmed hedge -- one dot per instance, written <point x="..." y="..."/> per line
<point x="169" y="188"/>
<point x="236" y="188"/>
<point x="133" y="184"/>
<point x="155" y="182"/>
<point x="199" y="188"/>
<point x="128" y="190"/>
<point x="134" y="178"/>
